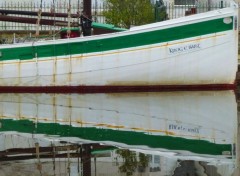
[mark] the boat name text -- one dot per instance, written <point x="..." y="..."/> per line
<point x="186" y="48"/>
<point x="183" y="128"/>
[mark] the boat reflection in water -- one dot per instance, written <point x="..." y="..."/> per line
<point x="164" y="133"/>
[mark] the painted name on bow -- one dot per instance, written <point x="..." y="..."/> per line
<point x="185" y="48"/>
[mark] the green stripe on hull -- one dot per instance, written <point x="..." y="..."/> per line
<point x="126" y="137"/>
<point x="120" y="42"/>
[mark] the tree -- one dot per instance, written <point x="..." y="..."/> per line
<point x="131" y="161"/>
<point x="125" y="13"/>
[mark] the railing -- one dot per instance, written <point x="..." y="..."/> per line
<point x="173" y="11"/>
<point x="60" y="7"/>
<point x="176" y="11"/>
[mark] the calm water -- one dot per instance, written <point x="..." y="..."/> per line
<point x="165" y="133"/>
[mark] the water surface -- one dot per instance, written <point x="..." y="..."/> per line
<point x="163" y="133"/>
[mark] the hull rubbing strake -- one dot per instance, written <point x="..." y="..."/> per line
<point x="114" y="89"/>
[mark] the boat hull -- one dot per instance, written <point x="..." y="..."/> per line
<point x="194" y="59"/>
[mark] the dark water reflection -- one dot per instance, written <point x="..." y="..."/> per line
<point x="165" y="133"/>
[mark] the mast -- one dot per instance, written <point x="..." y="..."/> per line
<point x="87" y="8"/>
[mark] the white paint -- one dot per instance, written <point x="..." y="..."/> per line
<point x="207" y="59"/>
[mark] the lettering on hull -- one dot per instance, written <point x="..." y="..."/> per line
<point x="185" y="129"/>
<point x="184" y="48"/>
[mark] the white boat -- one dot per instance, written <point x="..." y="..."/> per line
<point x="167" y="121"/>
<point x="194" y="52"/>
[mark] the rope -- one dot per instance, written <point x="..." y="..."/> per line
<point x="52" y="10"/>
<point x="39" y="164"/>
<point x="54" y="17"/>
<point x="69" y="19"/>
<point x="39" y="19"/>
